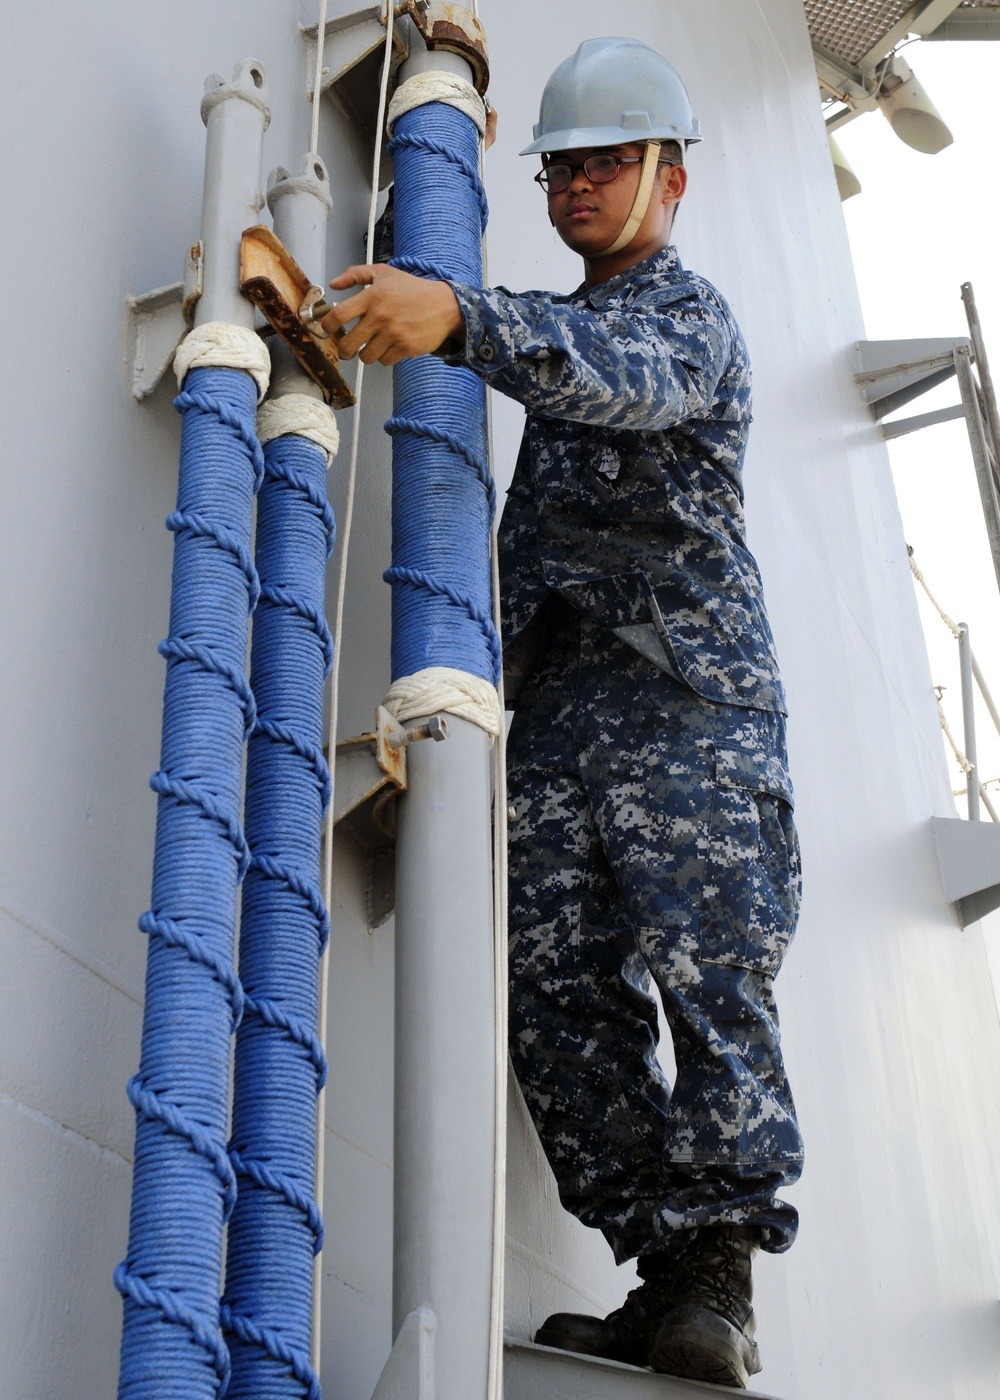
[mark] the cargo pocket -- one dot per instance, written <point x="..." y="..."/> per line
<point x="750" y="897"/>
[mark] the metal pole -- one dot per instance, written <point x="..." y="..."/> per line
<point x="301" y="206"/>
<point x="981" y="454"/>
<point x="982" y="364"/>
<point x="445" y="1033"/>
<point x="445" y="1046"/>
<point x="969" y="719"/>
<point x="984" y="691"/>
<point x="236" y="116"/>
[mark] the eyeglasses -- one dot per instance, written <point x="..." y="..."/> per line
<point x="600" y="169"/>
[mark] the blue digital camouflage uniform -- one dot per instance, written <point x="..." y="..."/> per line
<point x="652" y="833"/>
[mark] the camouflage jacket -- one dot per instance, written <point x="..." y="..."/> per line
<point x="627" y="497"/>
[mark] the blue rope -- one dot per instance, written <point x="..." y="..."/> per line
<point x="443" y="498"/>
<point x="184" y="1185"/>
<point x="276" y="1226"/>
<point x="443" y="147"/>
<point x="478" y="464"/>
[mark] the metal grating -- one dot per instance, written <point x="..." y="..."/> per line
<point x="851" y="28"/>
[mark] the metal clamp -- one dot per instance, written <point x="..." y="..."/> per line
<point x="272" y="280"/>
<point x="453" y="29"/>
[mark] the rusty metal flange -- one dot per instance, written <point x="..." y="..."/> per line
<point x="454" y="29"/>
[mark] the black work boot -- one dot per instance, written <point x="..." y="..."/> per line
<point x="627" y="1333"/>
<point x="707" y="1333"/>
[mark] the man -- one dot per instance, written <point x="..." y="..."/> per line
<point x="652" y="832"/>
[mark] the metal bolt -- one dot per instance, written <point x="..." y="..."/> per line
<point x="436" y="728"/>
<point x="312" y="311"/>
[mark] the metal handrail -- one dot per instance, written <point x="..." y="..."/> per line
<point x="886" y="383"/>
<point x="984" y="692"/>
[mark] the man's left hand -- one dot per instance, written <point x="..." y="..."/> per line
<point x="395" y="317"/>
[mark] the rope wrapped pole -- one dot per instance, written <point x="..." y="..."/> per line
<point x="443" y="502"/>
<point x="280" y="1066"/>
<point x="183" y="1183"/>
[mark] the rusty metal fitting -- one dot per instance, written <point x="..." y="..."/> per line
<point x="454" y="29"/>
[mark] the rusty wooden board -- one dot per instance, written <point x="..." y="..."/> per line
<point x="272" y="279"/>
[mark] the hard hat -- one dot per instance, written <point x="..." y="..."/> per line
<point x="612" y="91"/>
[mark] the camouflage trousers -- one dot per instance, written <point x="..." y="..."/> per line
<point x="651" y="837"/>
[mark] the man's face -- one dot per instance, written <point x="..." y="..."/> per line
<point x="589" y="216"/>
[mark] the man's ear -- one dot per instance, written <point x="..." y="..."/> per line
<point x="673" y="184"/>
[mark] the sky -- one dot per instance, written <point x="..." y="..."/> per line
<point x="921" y="226"/>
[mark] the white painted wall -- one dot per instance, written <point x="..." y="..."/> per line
<point x="890" y="1026"/>
<point x="104" y="148"/>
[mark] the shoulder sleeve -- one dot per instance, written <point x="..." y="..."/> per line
<point x="647" y="366"/>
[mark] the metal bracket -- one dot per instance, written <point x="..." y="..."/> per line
<point x="968" y="855"/>
<point x="371" y="773"/>
<point x="352" y="59"/>
<point x="157" y="323"/>
<point x="899" y="427"/>
<point x="409" y="1372"/>
<point x="893" y="372"/>
<point x="350" y="73"/>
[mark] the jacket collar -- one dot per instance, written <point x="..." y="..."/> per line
<point x="665" y="261"/>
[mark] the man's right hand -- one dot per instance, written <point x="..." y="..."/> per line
<point x="396" y="316"/>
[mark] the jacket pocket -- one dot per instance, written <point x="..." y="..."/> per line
<point x="752" y="885"/>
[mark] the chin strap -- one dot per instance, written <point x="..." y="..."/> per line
<point x="641" y="202"/>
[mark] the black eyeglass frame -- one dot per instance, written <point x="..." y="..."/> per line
<point x="541" y="178"/>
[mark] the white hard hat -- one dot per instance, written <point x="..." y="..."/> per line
<point x="612" y="91"/>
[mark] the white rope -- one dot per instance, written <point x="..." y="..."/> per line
<point x="494" y="1383"/>
<point x="963" y="762"/>
<point x="495" y="1375"/>
<point x="317" y="80"/>
<point x="220" y="345"/>
<point x="952" y="626"/>
<point x="443" y="688"/>
<point x="438" y="86"/>
<point x="956" y="632"/>
<point x="960" y="757"/>
<point x="302" y="415"/>
<point x="333" y="715"/>
<point x="352" y="472"/>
